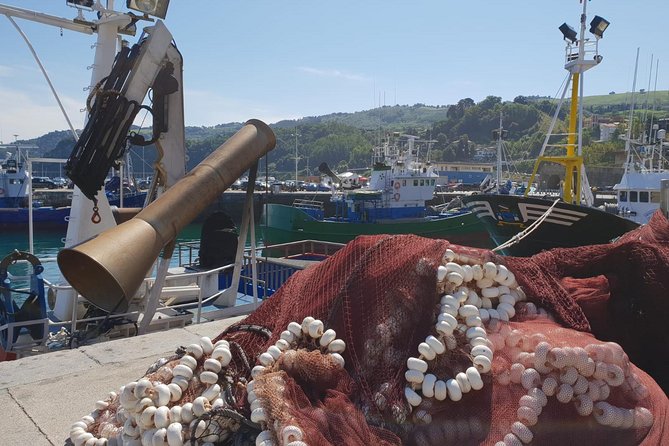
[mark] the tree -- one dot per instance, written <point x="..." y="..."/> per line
<point x="489" y="102"/>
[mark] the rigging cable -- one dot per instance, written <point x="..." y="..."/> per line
<point x="46" y="76"/>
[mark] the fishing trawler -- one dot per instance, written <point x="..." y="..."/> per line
<point x="393" y="202"/>
<point x="524" y="225"/>
<point x="108" y="290"/>
<point x="645" y="168"/>
<point x="16" y="206"/>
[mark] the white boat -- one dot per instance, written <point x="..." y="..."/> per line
<point x="639" y="188"/>
<point x="18" y="210"/>
<point x="645" y="167"/>
<point x="14" y="179"/>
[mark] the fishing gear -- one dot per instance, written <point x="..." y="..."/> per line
<point x="106" y="136"/>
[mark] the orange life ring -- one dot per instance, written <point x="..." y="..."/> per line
<point x="397" y="185"/>
<point x="396" y="197"/>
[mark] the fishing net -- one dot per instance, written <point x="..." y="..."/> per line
<point x="405" y="340"/>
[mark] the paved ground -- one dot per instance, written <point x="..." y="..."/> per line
<point x="42" y="396"/>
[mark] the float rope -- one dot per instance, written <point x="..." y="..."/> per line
<point x="527" y="231"/>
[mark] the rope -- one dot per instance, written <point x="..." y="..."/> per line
<point x="521" y="235"/>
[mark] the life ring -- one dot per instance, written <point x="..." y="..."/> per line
<point x="397" y="185"/>
<point x="396" y="197"/>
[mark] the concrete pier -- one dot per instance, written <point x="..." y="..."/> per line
<point x="41" y="396"/>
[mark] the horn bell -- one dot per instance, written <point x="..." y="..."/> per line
<point x="109" y="268"/>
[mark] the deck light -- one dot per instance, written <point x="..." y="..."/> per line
<point x="568" y="32"/>
<point x="598" y="26"/>
<point x="157" y="8"/>
<point x="80" y="3"/>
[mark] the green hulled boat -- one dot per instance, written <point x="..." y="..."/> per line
<point x="394" y="202"/>
<point x="284" y="224"/>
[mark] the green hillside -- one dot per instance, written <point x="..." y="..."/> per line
<point x="660" y="98"/>
<point x="345" y="140"/>
<point x="397" y="117"/>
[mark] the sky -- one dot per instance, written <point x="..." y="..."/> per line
<point x="275" y="60"/>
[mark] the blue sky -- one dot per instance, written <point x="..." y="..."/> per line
<point x="276" y="60"/>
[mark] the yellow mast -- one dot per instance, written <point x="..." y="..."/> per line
<point x="572" y="161"/>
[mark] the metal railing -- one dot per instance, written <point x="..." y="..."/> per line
<point x="272" y="272"/>
<point x="308" y="204"/>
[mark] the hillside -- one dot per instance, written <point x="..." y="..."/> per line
<point x="659" y="98"/>
<point x="397" y="117"/>
<point x="345" y="140"/>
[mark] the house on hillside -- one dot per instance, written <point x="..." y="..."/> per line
<point x="606" y="131"/>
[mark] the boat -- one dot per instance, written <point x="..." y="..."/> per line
<point x="19" y="208"/>
<point x="639" y="189"/>
<point x="340" y="353"/>
<point x="93" y="303"/>
<point x="525" y="225"/>
<point x="393" y="202"/>
<point x="15" y="194"/>
<point x="638" y="192"/>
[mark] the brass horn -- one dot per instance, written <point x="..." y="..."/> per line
<point x="109" y="268"/>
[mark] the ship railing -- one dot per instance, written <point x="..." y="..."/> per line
<point x="590" y="50"/>
<point x="271" y="273"/>
<point x="308" y="204"/>
<point x="134" y="315"/>
<point x="303" y="248"/>
<point x="25" y="343"/>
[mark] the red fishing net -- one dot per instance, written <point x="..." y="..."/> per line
<point x="619" y="291"/>
<point x="411" y="378"/>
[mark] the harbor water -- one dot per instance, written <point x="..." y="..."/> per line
<point x="47" y="244"/>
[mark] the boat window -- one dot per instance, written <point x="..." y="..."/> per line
<point x="415" y="182"/>
<point x="432" y="183"/>
<point x="623" y="196"/>
<point x="404" y="182"/>
<point x="634" y="196"/>
<point x="643" y="197"/>
<point x="391" y="183"/>
<point x="422" y="182"/>
<point x="654" y="197"/>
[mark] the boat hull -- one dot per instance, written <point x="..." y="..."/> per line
<point x="43" y="218"/>
<point x="54" y="218"/>
<point x="284" y="224"/>
<point x="566" y="226"/>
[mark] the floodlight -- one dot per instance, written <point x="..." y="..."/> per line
<point x="598" y="26"/>
<point x="80" y="3"/>
<point x="157" y="8"/>
<point x="568" y="32"/>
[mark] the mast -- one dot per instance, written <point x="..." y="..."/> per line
<point x="107" y="27"/>
<point x="573" y="161"/>
<point x="499" y="155"/>
<point x="629" y="163"/>
<point x="581" y="55"/>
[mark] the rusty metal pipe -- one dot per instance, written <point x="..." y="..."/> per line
<point x="109" y="268"/>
